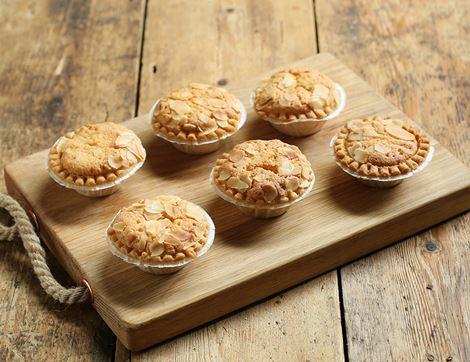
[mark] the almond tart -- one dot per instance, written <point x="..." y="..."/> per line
<point x="298" y="102"/>
<point x="381" y="152"/>
<point x="161" y="234"/>
<point x="263" y="178"/>
<point x="94" y="159"/>
<point x="197" y="118"/>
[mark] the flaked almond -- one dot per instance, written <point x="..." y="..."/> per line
<point x="317" y="102"/>
<point x="216" y="102"/>
<point x="369" y="131"/>
<point x="119" y="226"/>
<point x="245" y="177"/>
<point x="124" y="139"/>
<point x="355" y="137"/>
<point x="180" y="107"/>
<point x="292" y="183"/>
<point x="156" y="249"/>
<point x="181" y="235"/>
<point x="236" y="156"/>
<point x="270" y="192"/>
<point x="195" y="213"/>
<point x="382" y="148"/>
<point x="152" y="227"/>
<point x="115" y="161"/>
<point x="223" y="175"/>
<point x="285" y="167"/>
<point x="360" y="155"/>
<point x="306" y="172"/>
<point x="153" y="207"/>
<point x="288" y="81"/>
<point x="173" y="211"/>
<point x="236" y="183"/>
<point x="399" y="132"/>
<point x="221" y="116"/>
<point x="355" y="125"/>
<point x="259" y="177"/>
<point x="251" y="151"/>
<point x="60" y="144"/>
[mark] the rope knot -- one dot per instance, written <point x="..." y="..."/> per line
<point x="23" y="228"/>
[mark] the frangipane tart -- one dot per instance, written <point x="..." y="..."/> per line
<point x="161" y="234"/>
<point x="197" y="118"/>
<point x="298" y="102"/>
<point x="381" y="152"/>
<point x="263" y="178"/>
<point x="94" y="159"/>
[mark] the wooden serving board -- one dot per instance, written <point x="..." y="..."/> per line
<point x="340" y="221"/>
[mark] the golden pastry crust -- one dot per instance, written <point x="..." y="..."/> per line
<point x="292" y="94"/>
<point x="95" y="154"/>
<point x="161" y="229"/>
<point x="263" y="172"/>
<point x="378" y="147"/>
<point x="197" y="113"/>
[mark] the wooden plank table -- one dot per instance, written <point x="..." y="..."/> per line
<point x="66" y="63"/>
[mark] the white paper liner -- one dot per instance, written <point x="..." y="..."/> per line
<point x="199" y="148"/>
<point x="260" y="211"/>
<point x="163" y="267"/>
<point x="381" y="182"/>
<point x="307" y="126"/>
<point x="98" y="190"/>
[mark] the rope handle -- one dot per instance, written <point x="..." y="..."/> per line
<point x="23" y="228"/>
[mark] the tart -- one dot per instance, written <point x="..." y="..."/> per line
<point x="299" y="101"/>
<point x="197" y="115"/>
<point x="381" y="148"/>
<point x="161" y="234"/>
<point x="95" y="158"/>
<point x="263" y="177"/>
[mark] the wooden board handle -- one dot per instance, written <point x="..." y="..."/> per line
<point x="23" y="228"/>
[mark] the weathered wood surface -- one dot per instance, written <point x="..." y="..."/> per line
<point x="62" y="64"/>
<point x="376" y="39"/>
<point x="411" y="301"/>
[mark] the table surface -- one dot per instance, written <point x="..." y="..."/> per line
<point x="67" y="63"/>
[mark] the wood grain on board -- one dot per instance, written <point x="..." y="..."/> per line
<point x="62" y="65"/>
<point x="416" y="54"/>
<point x="250" y="258"/>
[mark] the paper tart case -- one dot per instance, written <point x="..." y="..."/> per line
<point x="199" y="148"/>
<point x="307" y="126"/>
<point x="260" y="211"/>
<point x="103" y="189"/>
<point x="381" y="182"/>
<point x="163" y="267"/>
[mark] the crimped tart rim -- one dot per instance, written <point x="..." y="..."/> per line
<point x="129" y="172"/>
<point x="241" y="123"/>
<point x="426" y="161"/>
<point x="336" y="112"/>
<point x="226" y="197"/>
<point x="168" y="264"/>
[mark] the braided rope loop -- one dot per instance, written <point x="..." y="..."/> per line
<point x="24" y="229"/>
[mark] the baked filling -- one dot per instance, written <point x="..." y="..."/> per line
<point x="161" y="229"/>
<point x="95" y="154"/>
<point x="263" y="172"/>
<point x="293" y="94"/>
<point x="380" y="147"/>
<point x="197" y="113"/>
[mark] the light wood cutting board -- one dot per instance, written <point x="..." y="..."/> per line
<point x="340" y="221"/>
